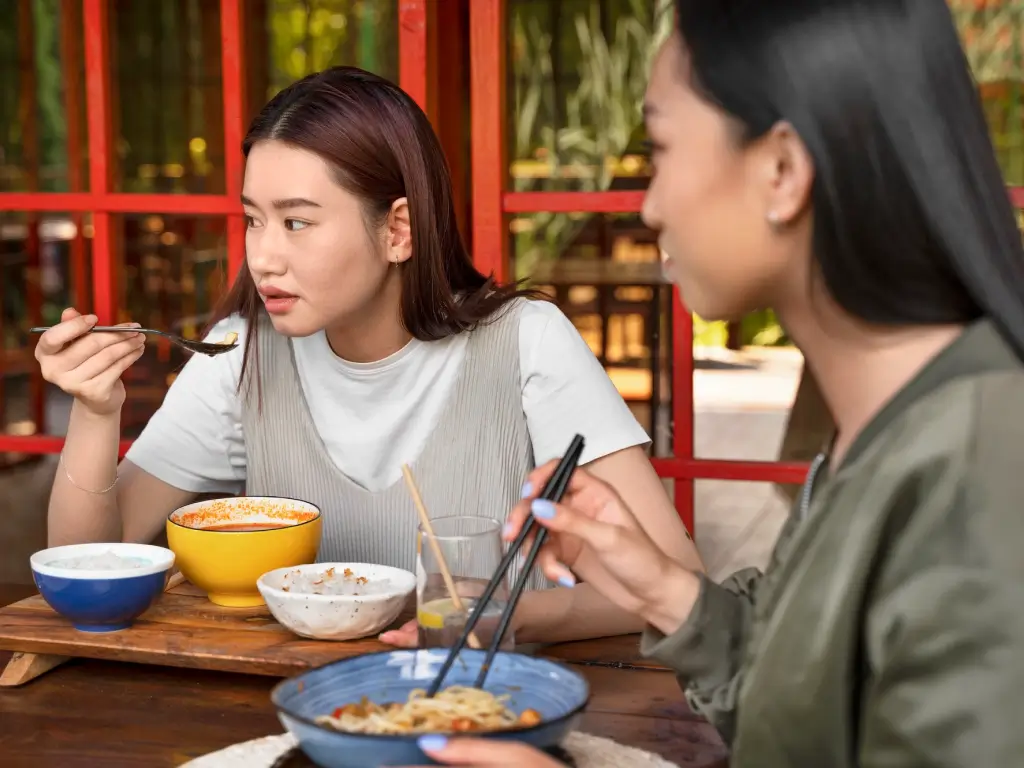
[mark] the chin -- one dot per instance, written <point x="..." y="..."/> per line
<point x="294" y="327"/>
<point x="710" y="310"/>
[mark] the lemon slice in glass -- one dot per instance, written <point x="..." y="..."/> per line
<point x="432" y="615"/>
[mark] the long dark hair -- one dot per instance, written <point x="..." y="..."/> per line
<point x="913" y="224"/>
<point x="381" y="147"/>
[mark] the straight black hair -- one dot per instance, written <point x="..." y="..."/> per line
<point x="913" y="224"/>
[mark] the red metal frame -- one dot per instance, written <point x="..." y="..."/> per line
<point x="418" y="37"/>
<point x="492" y="203"/>
<point x="415" y="23"/>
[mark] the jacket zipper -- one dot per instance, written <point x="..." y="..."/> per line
<point x="808" y="491"/>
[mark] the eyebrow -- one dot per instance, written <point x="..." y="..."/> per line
<point x="284" y="204"/>
<point x="649" y="110"/>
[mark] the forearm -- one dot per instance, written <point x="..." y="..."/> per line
<point x="703" y="640"/>
<point x="86" y="510"/>
<point x="562" y="615"/>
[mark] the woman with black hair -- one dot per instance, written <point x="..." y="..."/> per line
<point x="830" y="159"/>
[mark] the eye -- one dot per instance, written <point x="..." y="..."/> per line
<point x="295" y="225"/>
<point x="652" y="147"/>
<point x="250" y="222"/>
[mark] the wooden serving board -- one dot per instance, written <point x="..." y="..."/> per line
<point x="182" y="629"/>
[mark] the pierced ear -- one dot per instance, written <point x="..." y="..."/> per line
<point x="790" y="171"/>
<point x="399" y="233"/>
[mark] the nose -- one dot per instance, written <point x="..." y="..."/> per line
<point x="266" y="250"/>
<point x="648" y="211"/>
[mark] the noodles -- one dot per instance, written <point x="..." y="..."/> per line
<point x="455" y="709"/>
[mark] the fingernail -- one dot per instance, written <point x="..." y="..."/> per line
<point x="432" y="742"/>
<point x="567" y="581"/>
<point x="506" y="530"/>
<point x="91" y="318"/>
<point x="527" y="489"/>
<point x="543" y="509"/>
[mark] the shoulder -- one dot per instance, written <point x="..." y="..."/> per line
<point x="566" y="391"/>
<point x="946" y="609"/>
<point x="953" y="481"/>
<point x="544" y="330"/>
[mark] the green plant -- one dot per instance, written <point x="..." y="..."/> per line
<point x="599" y="116"/>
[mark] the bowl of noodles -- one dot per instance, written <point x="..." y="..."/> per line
<point x="369" y="710"/>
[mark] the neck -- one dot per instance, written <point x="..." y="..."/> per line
<point x="859" y="367"/>
<point x="375" y="331"/>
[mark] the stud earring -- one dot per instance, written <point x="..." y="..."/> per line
<point x="774" y="220"/>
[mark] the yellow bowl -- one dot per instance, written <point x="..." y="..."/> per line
<point x="224" y="546"/>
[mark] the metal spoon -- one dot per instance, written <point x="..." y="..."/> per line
<point x="203" y="347"/>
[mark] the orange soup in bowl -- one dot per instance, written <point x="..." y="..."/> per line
<point x="243" y="513"/>
<point x="224" y="546"/>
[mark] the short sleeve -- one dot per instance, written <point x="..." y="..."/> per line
<point x="566" y="391"/>
<point x="194" y="441"/>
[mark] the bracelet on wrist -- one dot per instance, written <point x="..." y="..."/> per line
<point x="71" y="480"/>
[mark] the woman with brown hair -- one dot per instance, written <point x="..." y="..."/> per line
<point x="367" y="340"/>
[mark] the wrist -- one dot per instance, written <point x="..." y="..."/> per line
<point x="669" y="606"/>
<point x="81" y="411"/>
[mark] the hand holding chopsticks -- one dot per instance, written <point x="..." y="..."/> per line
<point x="553" y="491"/>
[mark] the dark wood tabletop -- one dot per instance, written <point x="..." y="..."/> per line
<point x="93" y="713"/>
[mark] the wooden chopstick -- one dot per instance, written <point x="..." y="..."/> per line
<point x="428" y="528"/>
<point x="553" y="491"/>
<point x="176" y="578"/>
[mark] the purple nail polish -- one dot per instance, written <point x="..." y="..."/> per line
<point x="432" y="742"/>
<point x="543" y="509"/>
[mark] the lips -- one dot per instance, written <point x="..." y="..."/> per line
<point x="277" y="301"/>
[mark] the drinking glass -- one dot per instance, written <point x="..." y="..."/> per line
<point x="472" y="549"/>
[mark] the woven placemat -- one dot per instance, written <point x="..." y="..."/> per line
<point x="587" y="751"/>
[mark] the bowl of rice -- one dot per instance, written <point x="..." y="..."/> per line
<point x="337" y="601"/>
<point x="101" y="587"/>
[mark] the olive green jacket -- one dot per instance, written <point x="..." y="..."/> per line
<point x="888" y="629"/>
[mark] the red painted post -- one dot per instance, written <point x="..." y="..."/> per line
<point x="232" y="57"/>
<point x="487" y="104"/>
<point x="97" y="88"/>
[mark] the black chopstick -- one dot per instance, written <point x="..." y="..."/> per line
<point x="553" y="491"/>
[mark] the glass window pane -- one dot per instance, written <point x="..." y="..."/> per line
<point x="171" y="271"/>
<point x="44" y="267"/>
<point x="42" y="117"/>
<point x="737" y="524"/>
<point x="993" y="38"/>
<point x="289" y="39"/>
<point x="167" y="96"/>
<point x="605" y="274"/>
<point x="577" y="74"/>
<point x="744" y="383"/>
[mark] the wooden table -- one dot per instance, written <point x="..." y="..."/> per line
<point x="91" y="713"/>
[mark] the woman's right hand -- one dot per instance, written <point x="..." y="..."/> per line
<point x="86" y="365"/>
<point x="593" y="534"/>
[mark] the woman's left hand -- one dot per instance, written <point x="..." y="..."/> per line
<point x="486" y="754"/>
<point x="406" y="636"/>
